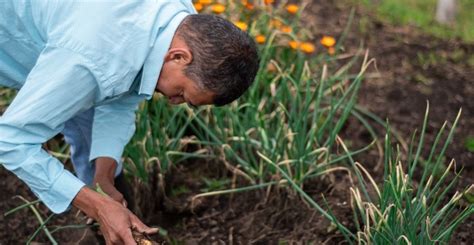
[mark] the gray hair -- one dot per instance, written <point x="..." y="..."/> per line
<point x="225" y="59"/>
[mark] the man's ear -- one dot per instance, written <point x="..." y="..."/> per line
<point x="181" y="55"/>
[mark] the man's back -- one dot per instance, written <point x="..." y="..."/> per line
<point x="116" y="37"/>
<point x="20" y="42"/>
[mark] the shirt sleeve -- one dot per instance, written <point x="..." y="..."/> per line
<point x="113" y="127"/>
<point x="61" y="84"/>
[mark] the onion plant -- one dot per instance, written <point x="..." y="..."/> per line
<point x="409" y="210"/>
<point x="160" y="132"/>
<point x="404" y="209"/>
<point x="295" y="122"/>
<point x="291" y="114"/>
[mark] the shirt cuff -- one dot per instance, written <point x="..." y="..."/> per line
<point x="59" y="197"/>
<point x="108" y="148"/>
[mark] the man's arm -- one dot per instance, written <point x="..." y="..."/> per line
<point x="55" y="90"/>
<point x="113" y="127"/>
<point x="105" y="168"/>
<point x="61" y="84"/>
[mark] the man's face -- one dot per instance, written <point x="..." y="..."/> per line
<point x="177" y="87"/>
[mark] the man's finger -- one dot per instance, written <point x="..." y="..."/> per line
<point x="146" y="230"/>
<point x="151" y="231"/>
<point x="142" y="228"/>
<point x="109" y="238"/>
<point x="127" y="238"/>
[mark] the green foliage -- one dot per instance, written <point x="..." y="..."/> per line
<point x="215" y="184"/>
<point x="159" y="138"/>
<point x="470" y="144"/>
<point x="291" y="114"/>
<point x="421" y="13"/>
<point x="41" y="220"/>
<point x="412" y="211"/>
<point x="182" y="189"/>
<point x="469" y="194"/>
<point x="402" y="209"/>
<point x="6" y="96"/>
<point x="407" y="210"/>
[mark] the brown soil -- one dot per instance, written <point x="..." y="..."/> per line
<point x="404" y="81"/>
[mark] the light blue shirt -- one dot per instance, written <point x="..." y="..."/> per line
<point x="67" y="57"/>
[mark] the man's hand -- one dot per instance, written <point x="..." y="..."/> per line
<point x="110" y="190"/>
<point x="105" y="178"/>
<point x="116" y="222"/>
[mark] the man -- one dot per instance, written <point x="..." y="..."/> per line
<point x="82" y="67"/>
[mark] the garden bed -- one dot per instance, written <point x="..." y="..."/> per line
<point x="412" y="68"/>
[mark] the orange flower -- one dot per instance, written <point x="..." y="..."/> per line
<point x="307" y="47"/>
<point x="260" y="39"/>
<point x="249" y="6"/>
<point x="269" y="1"/>
<point x="328" y="41"/>
<point x="286" y="29"/>
<point x="242" y="25"/>
<point x="205" y="2"/>
<point x="218" y="8"/>
<point x="198" y="7"/>
<point x="294" y="44"/>
<point x="292" y="8"/>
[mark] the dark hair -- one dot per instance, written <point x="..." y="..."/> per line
<point x="225" y="59"/>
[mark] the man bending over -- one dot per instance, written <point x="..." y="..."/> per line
<point x="82" y="68"/>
